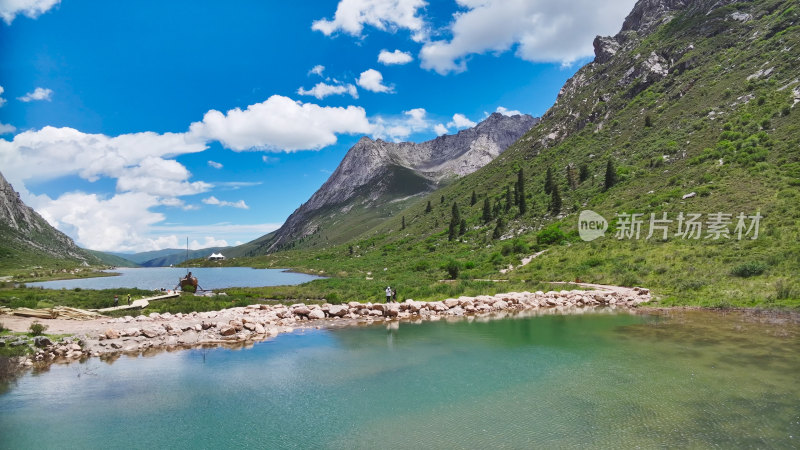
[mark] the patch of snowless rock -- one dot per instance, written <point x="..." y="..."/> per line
<point x="241" y="325"/>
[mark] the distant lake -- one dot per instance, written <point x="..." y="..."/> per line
<point x="152" y="278"/>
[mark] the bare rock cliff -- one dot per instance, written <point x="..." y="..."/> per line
<point x="378" y="169"/>
<point x="24" y="229"/>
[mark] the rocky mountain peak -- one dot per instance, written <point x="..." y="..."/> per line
<point x="24" y="229"/>
<point x="375" y="171"/>
<point x="648" y="14"/>
<point x="645" y="17"/>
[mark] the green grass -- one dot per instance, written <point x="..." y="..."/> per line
<point x="703" y="112"/>
<point x="18" y="297"/>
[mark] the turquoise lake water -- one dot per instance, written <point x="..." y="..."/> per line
<point x="689" y="379"/>
<point x="151" y="278"/>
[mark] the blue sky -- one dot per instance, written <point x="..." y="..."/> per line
<point x="132" y="125"/>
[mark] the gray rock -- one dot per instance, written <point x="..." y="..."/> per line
<point x="376" y="166"/>
<point x="605" y="48"/>
<point x="42" y="341"/>
<point x="316" y="314"/>
<point x="153" y="332"/>
<point x="112" y="334"/>
<point x="337" y="310"/>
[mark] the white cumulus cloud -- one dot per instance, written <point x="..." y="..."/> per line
<point x="9" y="9"/>
<point x="37" y="95"/>
<point x="208" y="241"/>
<point x="7" y="128"/>
<point x="215" y="164"/>
<point x="508" y="112"/>
<point x="161" y="177"/>
<point x="280" y="124"/>
<point x="372" y="80"/>
<point x="399" y="128"/>
<point x="104" y="224"/>
<point x="2" y="100"/>
<point x="396" y="57"/>
<point x="53" y="152"/>
<point x="317" y="70"/>
<point x="387" y="15"/>
<point x="538" y="30"/>
<point x="322" y="90"/>
<point x="460" y="121"/>
<point x="215" y="201"/>
<point x="440" y="129"/>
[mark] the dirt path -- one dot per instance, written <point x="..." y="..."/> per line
<point x="524" y="262"/>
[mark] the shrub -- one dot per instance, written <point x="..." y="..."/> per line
<point x="496" y="259"/>
<point x="37" y="329"/>
<point x="690" y="285"/>
<point x="593" y="261"/>
<point x="520" y="246"/>
<point x="783" y="290"/>
<point x="421" y="266"/>
<point x="721" y="304"/>
<point x="749" y="269"/>
<point x="453" y="268"/>
<point x="550" y="235"/>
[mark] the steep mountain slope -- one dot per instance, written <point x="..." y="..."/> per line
<point x="179" y="256"/>
<point x="694" y="104"/>
<point x="27" y="239"/>
<point x="112" y="259"/>
<point x="375" y="175"/>
<point x="168" y="256"/>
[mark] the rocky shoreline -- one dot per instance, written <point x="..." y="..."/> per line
<point x="108" y="338"/>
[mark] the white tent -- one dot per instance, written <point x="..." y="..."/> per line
<point x="216" y="257"/>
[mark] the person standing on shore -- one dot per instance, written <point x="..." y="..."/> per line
<point x="129" y="299"/>
<point x="388" y="294"/>
<point x="394" y="295"/>
<point x="116" y="300"/>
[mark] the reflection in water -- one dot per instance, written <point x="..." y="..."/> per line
<point x="391" y="331"/>
<point x="601" y="379"/>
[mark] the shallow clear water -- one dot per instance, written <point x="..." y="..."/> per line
<point x="693" y="379"/>
<point x="151" y="278"/>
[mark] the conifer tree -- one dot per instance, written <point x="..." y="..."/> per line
<point x="509" y="200"/>
<point x="455" y="221"/>
<point x="498" y="229"/>
<point x="462" y="228"/>
<point x="611" y="174"/>
<point x="473" y="200"/>
<point x="548" y="181"/>
<point x="571" y="180"/>
<point x="555" y="200"/>
<point x="584" y="173"/>
<point x="523" y="206"/>
<point x="428" y="208"/>
<point x="403" y="223"/>
<point x="487" y="210"/>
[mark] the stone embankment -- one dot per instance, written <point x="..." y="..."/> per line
<point x="133" y="335"/>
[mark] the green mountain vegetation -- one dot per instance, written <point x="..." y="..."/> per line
<point x="112" y="259"/>
<point x="28" y="242"/>
<point x="688" y="110"/>
<point x="165" y="257"/>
